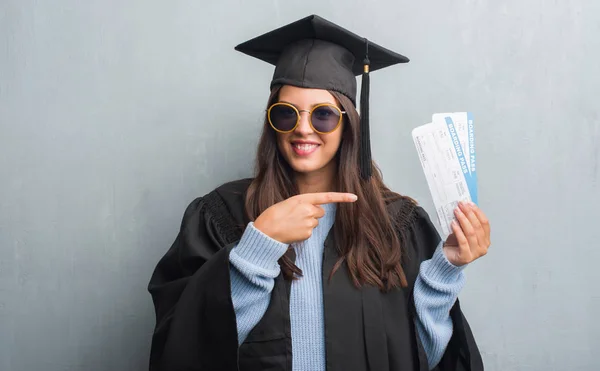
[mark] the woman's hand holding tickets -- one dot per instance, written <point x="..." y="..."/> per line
<point x="294" y="219"/>
<point x="470" y="239"/>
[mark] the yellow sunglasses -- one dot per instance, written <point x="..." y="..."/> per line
<point x="323" y="118"/>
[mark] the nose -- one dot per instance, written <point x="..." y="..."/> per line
<point x="304" y="127"/>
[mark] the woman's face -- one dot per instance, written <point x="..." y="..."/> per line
<point x="304" y="149"/>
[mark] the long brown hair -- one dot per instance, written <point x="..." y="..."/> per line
<point x="366" y="236"/>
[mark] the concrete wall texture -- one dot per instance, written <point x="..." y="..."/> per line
<point x="115" y="115"/>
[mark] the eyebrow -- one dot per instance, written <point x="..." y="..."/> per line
<point x="314" y="105"/>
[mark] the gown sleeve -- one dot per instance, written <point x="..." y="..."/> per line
<point x="190" y="288"/>
<point x="461" y="352"/>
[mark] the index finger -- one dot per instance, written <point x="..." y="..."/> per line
<point x="482" y="219"/>
<point x="327" y="197"/>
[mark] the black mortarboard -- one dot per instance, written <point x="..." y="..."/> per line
<point x="315" y="53"/>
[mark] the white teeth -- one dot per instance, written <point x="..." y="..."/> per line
<point x="304" y="147"/>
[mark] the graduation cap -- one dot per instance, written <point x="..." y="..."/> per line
<point x="316" y="53"/>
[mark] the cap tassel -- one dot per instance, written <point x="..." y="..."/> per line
<point x="365" y="135"/>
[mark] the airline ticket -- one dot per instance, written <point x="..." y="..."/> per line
<point x="446" y="149"/>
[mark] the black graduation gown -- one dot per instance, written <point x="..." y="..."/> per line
<point x="365" y="329"/>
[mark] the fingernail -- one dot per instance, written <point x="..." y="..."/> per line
<point x="353" y="197"/>
<point x="471" y="203"/>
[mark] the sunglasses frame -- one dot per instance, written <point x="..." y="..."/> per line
<point x="310" y="112"/>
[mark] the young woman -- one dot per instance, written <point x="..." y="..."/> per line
<point x="314" y="264"/>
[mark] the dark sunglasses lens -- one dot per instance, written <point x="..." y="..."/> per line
<point x="325" y="119"/>
<point x="283" y="117"/>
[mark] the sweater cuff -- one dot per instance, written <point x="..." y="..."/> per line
<point x="439" y="269"/>
<point x="257" y="248"/>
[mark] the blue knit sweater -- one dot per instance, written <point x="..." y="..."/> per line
<point x="254" y="268"/>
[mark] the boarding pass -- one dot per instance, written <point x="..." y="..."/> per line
<point x="446" y="149"/>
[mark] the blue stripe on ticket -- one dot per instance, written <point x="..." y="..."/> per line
<point x="465" y="167"/>
<point x="472" y="157"/>
<point x="457" y="147"/>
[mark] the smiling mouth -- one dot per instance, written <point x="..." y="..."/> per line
<point x="304" y="149"/>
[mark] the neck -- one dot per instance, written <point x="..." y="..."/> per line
<point x="321" y="180"/>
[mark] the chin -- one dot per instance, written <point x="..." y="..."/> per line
<point x="306" y="164"/>
<point x="305" y="167"/>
